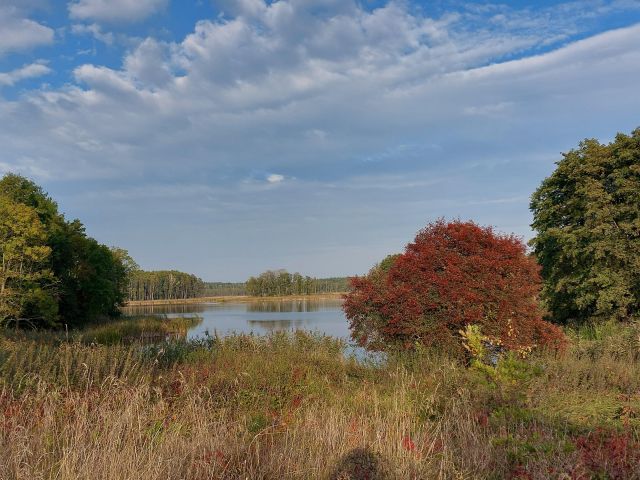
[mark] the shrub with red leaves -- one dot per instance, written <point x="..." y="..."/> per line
<point x="452" y="275"/>
<point x="614" y="455"/>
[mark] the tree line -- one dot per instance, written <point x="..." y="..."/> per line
<point x="52" y="273"/>
<point x="281" y="283"/>
<point x="163" y="285"/>
<point x="224" y="289"/>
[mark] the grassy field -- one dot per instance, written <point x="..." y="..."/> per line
<point x="291" y="406"/>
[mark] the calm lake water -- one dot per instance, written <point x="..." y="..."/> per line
<point x="258" y="317"/>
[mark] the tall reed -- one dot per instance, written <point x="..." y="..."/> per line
<point x="292" y="406"/>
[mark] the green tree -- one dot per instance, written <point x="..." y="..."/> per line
<point x="24" y="191"/>
<point x="25" y="281"/>
<point x="281" y="282"/>
<point x="89" y="278"/>
<point x="127" y="261"/>
<point x="161" y="285"/>
<point x="587" y="219"/>
<point x="102" y="280"/>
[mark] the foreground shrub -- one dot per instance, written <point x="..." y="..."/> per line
<point x="453" y="274"/>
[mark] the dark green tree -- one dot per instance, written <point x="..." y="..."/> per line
<point x="88" y="279"/>
<point x="587" y="219"/>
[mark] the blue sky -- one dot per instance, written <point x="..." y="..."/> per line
<point x="227" y="137"/>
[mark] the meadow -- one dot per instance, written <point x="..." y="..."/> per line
<point x="100" y="404"/>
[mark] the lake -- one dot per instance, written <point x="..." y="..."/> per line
<point x="322" y="315"/>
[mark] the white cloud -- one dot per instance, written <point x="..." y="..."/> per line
<point x="284" y="84"/>
<point x="453" y="129"/>
<point x="104" y="80"/>
<point x="148" y="64"/>
<point x="26" y="5"/>
<point x="95" y="31"/>
<point x="27" y="71"/>
<point x="115" y="10"/>
<point x="275" y="178"/>
<point x="20" y="33"/>
<point x="380" y="119"/>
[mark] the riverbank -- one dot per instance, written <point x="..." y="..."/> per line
<point x="231" y="298"/>
<point x="290" y="406"/>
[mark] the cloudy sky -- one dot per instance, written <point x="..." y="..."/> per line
<point x="226" y="137"/>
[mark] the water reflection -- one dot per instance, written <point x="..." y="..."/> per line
<point x="279" y="325"/>
<point x="284" y="306"/>
<point x="157" y="310"/>
<point x="260" y="317"/>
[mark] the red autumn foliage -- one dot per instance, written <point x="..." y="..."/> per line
<point x="614" y="455"/>
<point x="452" y="275"/>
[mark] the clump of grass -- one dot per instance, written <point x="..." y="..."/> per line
<point x="137" y="329"/>
<point x="28" y="366"/>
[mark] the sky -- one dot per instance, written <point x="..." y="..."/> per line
<point x="227" y="137"/>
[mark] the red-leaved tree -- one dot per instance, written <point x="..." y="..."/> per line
<point x="453" y="274"/>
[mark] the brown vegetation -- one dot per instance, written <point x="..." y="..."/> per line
<point x="293" y="407"/>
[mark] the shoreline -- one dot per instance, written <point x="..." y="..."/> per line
<point x="230" y="298"/>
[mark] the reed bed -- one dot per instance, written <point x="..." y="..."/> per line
<point x="292" y="406"/>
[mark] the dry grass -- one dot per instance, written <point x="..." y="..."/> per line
<point x="291" y="407"/>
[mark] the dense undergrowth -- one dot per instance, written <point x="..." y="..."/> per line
<point x="292" y="406"/>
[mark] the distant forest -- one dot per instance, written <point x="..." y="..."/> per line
<point x="163" y="285"/>
<point x="175" y="285"/>
<point x="267" y="285"/>
<point x="280" y="282"/>
<point x="224" y="289"/>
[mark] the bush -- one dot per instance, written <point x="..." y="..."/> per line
<point x="453" y="274"/>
